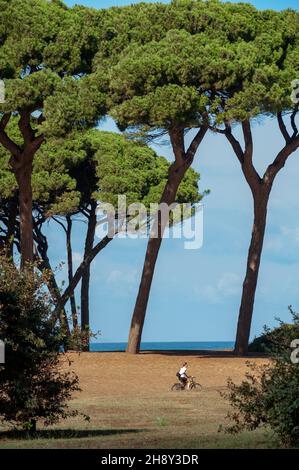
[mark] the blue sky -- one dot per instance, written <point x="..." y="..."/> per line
<point x="196" y="293"/>
<point x="262" y="4"/>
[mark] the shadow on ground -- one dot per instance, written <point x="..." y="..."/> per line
<point x="209" y="353"/>
<point x="65" y="433"/>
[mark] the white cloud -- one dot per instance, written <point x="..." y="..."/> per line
<point x="274" y="243"/>
<point x="291" y="233"/>
<point x="228" y="285"/>
<point x="128" y="277"/>
<point x="210" y="294"/>
<point x="283" y="241"/>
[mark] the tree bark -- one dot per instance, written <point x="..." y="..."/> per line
<point x="44" y="264"/>
<point x="21" y="164"/>
<point x="55" y="293"/>
<point x="253" y="263"/>
<point x="85" y="321"/>
<point x="176" y="174"/>
<point x="23" y="176"/>
<point x="11" y="225"/>
<point x="70" y="270"/>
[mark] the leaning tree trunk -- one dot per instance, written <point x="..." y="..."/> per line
<point x="44" y="264"/>
<point x="252" y="271"/>
<point x="70" y="270"/>
<point x="23" y="176"/>
<point x="55" y="293"/>
<point x="85" y="322"/>
<point x="175" y="176"/>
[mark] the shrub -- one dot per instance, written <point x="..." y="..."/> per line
<point x="33" y="385"/>
<point x="274" y="338"/>
<point x="269" y="395"/>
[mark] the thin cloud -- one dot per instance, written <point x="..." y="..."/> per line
<point x="227" y="286"/>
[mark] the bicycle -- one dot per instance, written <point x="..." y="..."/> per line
<point x="190" y="385"/>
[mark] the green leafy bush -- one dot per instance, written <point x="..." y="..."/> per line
<point x="33" y="385"/>
<point x="269" y="395"/>
<point x="273" y="339"/>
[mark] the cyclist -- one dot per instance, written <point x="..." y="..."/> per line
<point x="182" y="374"/>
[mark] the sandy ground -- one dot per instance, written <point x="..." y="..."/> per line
<point x="120" y="374"/>
<point x="129" y="401"/>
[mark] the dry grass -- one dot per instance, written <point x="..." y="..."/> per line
<point x="130" y="404"/>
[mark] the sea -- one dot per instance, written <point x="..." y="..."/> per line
<point x="165" y="345"/>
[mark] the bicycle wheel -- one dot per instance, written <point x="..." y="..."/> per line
<point x="196" y="386"/>
<point x="177" y="387"/>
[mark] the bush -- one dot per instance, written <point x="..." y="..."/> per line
<point x="274" y="338"/>
<point x="269" y="395"/>
<point x="32" y="385"/>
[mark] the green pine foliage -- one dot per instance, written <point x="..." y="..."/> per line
<point x="69" y="172"/>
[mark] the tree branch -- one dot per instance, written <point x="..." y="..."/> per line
<point x="282" y="127"/>
<point x="293" y="122"/>
<point x="79" y="273"/>
<point x="196" y="142"/>
<point x="25" y="127"/>
<point x="60" y="223"/>
<point x="38" y="141"/>
<point x="280" y="160"/>
<point x="248" y="154"/>
<point x="178" y="144"/>
<point x="234" y="143"/>
<point x="13" y="148"/>
<point x="251" y="175"/>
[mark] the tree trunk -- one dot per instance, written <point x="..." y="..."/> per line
<point x="32" y="427"/>
<point x="55" y="293"/>
<point x="252" y="271"/>
<point x="11" y="225"/>
<point x="260" y="188"/>
<point x="21" y="163"/>
<point x="23" y="176"/>
<point x="44" y="264"/>
<point x="175" y="176"/>
<point x="92" y="222"/>
<point x="70" y="270"/>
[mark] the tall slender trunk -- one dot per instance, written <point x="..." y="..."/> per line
<point x="11" y="225"/>
<point x="175" y="176"/>
<point x="21" y="163"/>
<point x="70" y="270"/>
<point x="23" y="176"/>
<point x="44" y="264"/>
<point x="253" y="263"/>
<point x="177" y="171"/>
<point x="55" y="293"/>
<point x="85" y="321"/>
<point x="261" y="189"/>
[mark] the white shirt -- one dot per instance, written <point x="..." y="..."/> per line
<point x="182" y="372"/>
